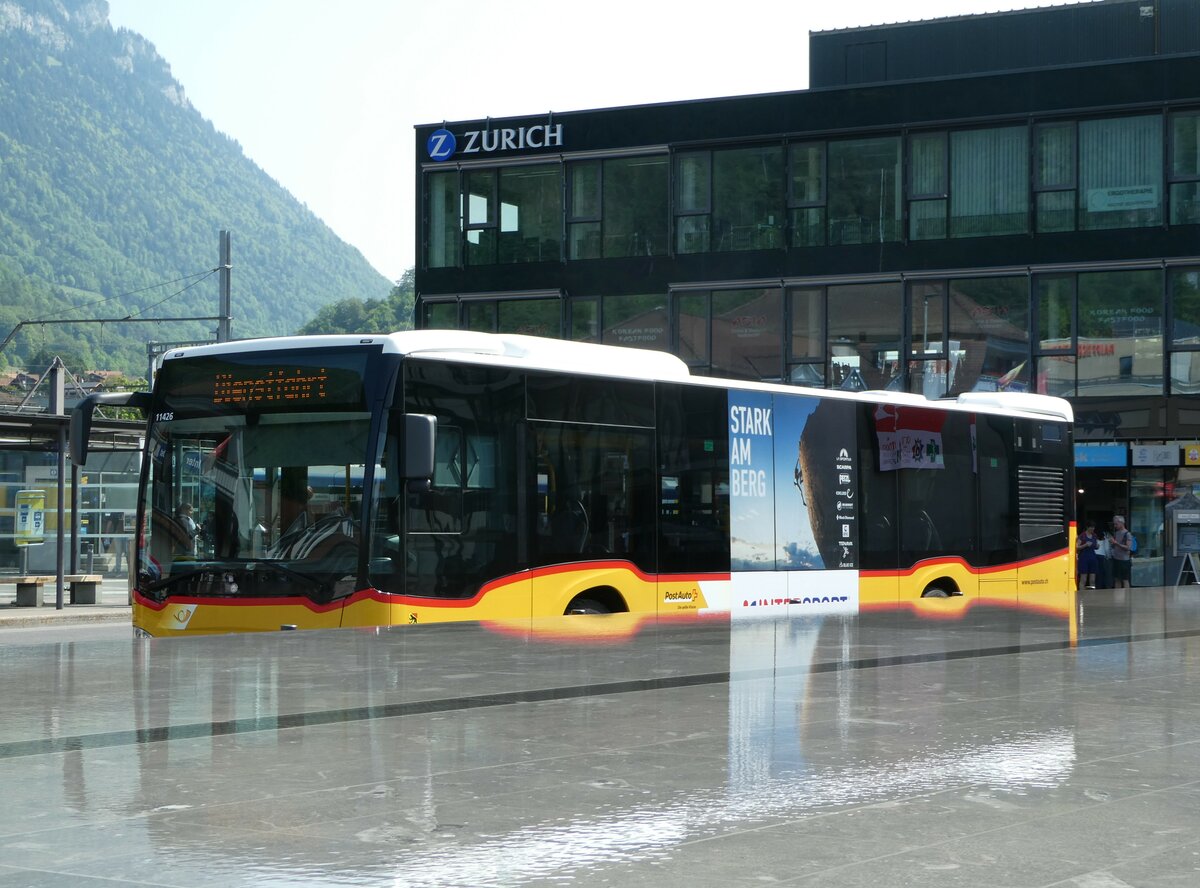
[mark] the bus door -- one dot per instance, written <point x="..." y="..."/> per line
<point x="457" y="551"/>
<point x="594" y="510"/>
<point x="460" y="542"/>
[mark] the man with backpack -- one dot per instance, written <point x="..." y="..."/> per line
<point x="1120" y="551"/>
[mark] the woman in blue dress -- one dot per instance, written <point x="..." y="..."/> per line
<point x="1085" y="553"/>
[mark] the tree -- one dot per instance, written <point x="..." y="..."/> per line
<point x="369" y="316"/>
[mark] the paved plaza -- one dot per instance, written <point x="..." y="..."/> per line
<point x="972" y="747"/>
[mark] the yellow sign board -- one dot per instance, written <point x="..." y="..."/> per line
<point x="1191" y="454"/>
<point x="31" y="517"/>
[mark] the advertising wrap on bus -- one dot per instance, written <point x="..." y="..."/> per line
<point x="793" y="514"/>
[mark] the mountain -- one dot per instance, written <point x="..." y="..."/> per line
<point x="113" y="185"/>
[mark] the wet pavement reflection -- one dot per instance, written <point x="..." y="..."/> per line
<point x="949" y="744"/>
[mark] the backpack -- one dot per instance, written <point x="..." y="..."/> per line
<point x="1132" y="544"/>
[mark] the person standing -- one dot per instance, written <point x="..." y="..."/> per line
<point x="1120" y="552"/>
<point x="1086" y="558"/>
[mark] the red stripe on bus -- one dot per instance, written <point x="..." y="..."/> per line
<point x="956" y="559"/>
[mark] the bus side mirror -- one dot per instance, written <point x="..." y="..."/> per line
<point x="81" y="417"/>
<point x="420" y="430"/>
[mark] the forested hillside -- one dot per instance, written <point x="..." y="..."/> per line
<point x="111" y="184"/>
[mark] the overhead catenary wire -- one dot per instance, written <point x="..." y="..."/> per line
<point x="198" y="274"/>
<point x="131" y="318"/>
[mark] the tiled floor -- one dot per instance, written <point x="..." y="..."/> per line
<point x="991" y="747"/>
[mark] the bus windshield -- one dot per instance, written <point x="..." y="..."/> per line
<point x="283" y="493"/>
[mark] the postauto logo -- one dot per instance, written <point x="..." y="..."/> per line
<point x="442" y="144"/>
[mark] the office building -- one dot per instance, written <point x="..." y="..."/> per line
<point x="996" y="202"/>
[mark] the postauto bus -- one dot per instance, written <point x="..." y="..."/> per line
<point x="430" y="476"/>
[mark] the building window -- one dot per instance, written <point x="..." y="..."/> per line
<point x="1120" y="340"/>
<point x="864" y="175"/>
<point x="693" y="201"/>
<point x="1120" y="172"/>
<point x="530" y="214"/>
<point x="806" y="342"/>
<point x="729" y="200"/>
<point x="506" y="216"/>
<point x="584" y="210"/>
<point x="928" y="367"/>
<point x="635" y="206"/>
<point x="988" y="335"/>
<point x="443" y="220"/>
<point x="693" y="329"/>
<point x="745" y="334"/>
<point x="636" y="321"/>
<point x="806" y="193"/>
<point x="479" y="316"/>
<point x="440" y="315"/>
<point x="1054" y="176"/>
<point x="532" y="317"/>
<point x="618" y="208"/>
<point x="731" y="333"/>
<point x="748" y="201"/>
<point x="1184" y="287"/>
<point x="927" y="186"/>
<point x="989" y="182"/>
<point x="1054" y="298"/>
<point x="480" y="223"/>
<point x="1185" y="168"/>
<point x="585" y="319"/>
<point x="865" y="331"/>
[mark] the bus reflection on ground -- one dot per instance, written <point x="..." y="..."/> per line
<point x="453" y="755"/>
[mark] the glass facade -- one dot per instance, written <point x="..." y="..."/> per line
<point x="1013" y="235"/>
<point x="1103" y="333"/>
<point x="1046" y="177"/>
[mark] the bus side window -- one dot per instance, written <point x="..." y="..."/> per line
<point x="997" y="488"/>
<point x="693" y="485"/>
<point x="439" y="509"/>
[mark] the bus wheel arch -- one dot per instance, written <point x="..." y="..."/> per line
<point x="942" y="587"/>
<point x="598" y="600"/>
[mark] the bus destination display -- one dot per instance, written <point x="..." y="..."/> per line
<point x="269" y="386"/>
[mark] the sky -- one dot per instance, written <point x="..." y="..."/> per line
<point x="324" y="95"/>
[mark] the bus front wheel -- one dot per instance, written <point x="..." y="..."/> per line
<point x="939" y="590"/>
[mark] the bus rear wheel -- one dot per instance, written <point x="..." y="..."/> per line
<point x="586" y="606"/>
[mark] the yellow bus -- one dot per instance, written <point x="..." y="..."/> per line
<point x="431" y="476"/>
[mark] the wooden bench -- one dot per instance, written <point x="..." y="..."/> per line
<point x="84" y="587"/>
<point x="29" y="589"/>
